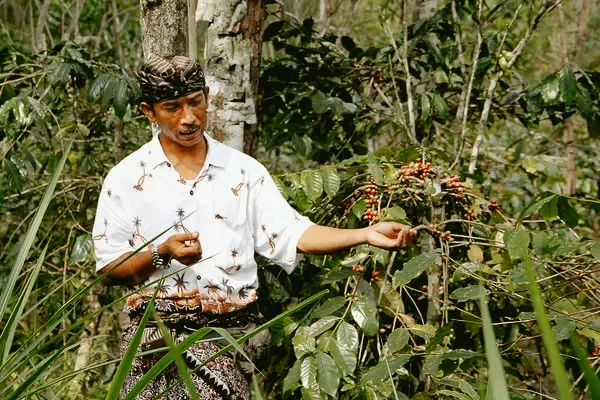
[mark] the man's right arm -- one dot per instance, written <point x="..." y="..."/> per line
<point x="130" y="270"/>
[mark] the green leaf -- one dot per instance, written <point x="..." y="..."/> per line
<point x="336" y="105"/>
<point x="345" y="359"/>
<point x="272" y="30"/>
<point x="331" y="180"/>
<point x="377" y="173"/>
<point x="441" y="108"/>
<point x="329" y="307"/>
<point x="472" y="292"/>
<point x="364" y="310"/>
<point x="281" y="186"/>
<point x="108" y="93"/>
<point x="319" y="102"/>
<point x="81" y="248"/>
<point x="396" y="341"/>
<point x="347" y="337"/>
<point x="424" y="331"/>
<point x="311" y="394"/>
<point x="321" y="325"/>
<point x="308" y="373"/>
<point x="563" y="328"/>
<point x="452" y="394"/>
<point x="292" y="377"/>
<point x="380" y="372"/>
<point x="328" y="375"/>
<point x="568" y="85"/>
<point x="518" y="245"/>
<point x="355" y="259"/>
<point x="97" y="86"/>
<point x="359" y="208"/>
<point x="15" y="178"/>
<point x="595" y="250"/>
<point x="550" y="89"/>
<point x="415" y="267"/>
<point x="394" y="214"/>
<point x="121" y="99"/>
<point x="312" y="184"/>
<point x="303" y="345"/>
<point x="511" y="97"/>
<point x="536" y="204"/>
<point x="567" y="213"/>
<point x="425" y="110"/>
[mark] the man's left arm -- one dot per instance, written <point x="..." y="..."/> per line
<point x="319" y="239"/>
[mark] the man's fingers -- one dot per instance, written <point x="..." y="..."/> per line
<point x="182" y="237"/>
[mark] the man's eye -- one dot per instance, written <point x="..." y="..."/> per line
<point x="171" y="108"/>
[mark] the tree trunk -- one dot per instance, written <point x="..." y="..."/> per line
<point x="164" y="25"/>
<point x="232" y="54"/>
<point x="423" y="9"/>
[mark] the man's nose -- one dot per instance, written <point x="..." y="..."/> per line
<point x="187" y="116"/>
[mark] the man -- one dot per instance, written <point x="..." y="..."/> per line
<point x="210" y="208"/>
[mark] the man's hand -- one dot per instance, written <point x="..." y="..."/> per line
<point x="390" y="235"/>
<point x="183" y="247"/>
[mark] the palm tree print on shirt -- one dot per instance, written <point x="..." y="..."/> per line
<point x="103" y="234"/>
<point x="137" y="222"/>
<point x="271" y="238"/>
<point x="236" y="190"/>
<point x="142" y="178"/>
<point x="180" y="283"/>
<point x="178" y="225"/>
<point x="235" y="267"/>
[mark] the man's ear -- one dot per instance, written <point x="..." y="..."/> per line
<point x="148" y="111"/>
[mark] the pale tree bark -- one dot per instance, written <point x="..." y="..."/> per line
<point x="568" y="128"/>
<point x="164" y="25"/>
<point x="232" y="55"/>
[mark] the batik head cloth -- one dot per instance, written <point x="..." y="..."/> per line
<point x="167" y="78"/>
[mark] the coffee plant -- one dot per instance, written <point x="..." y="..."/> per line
<point x="405" y="324"/>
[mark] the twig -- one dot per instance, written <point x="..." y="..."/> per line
<point x="548" y="6"/>
<point x="462" y="111"/>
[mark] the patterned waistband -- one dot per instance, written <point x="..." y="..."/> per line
<point x="186" y="323"/>
<point x="195" y="320"/>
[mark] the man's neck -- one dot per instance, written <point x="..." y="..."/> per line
<point x="188" y="161"/>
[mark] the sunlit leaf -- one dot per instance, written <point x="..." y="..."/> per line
<point x="328" y="375"/>
<point x="312" y="184"/>
<point x="331" y="180"/>
<point x="415" y="267"/>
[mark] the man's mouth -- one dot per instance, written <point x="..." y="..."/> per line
<point x="189" y="132"/>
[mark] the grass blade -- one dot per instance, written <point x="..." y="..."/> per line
<point x="497" y="379"/>
<point x="130" y="353"/>
<point x="8" y="332"/>
<point x="193" y="338"/>
<point x="179" y="361"/>
<point x="588" y="372"/>
<point x="556" y="363"/>
<point x="15" y="271"/>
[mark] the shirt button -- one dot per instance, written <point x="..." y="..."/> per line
<point x="169" y="165"/>
<point x="198" y="277"/>
<point x="191" y="192"/>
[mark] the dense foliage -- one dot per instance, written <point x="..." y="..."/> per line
<point x="444" y="123"/>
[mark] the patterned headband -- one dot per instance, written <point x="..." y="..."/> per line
<point x="167" y="78"/>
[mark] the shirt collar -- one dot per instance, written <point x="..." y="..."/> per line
<point x="215" y="155"/>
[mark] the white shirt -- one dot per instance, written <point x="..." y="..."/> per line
<point x="233" y="203"/>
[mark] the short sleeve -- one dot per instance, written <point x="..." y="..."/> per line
<point x="277" y="227"/>
<point x="111" y="234"/>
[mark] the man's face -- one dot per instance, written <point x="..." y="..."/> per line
<point x="181" y="120"/>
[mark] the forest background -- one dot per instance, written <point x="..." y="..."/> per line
<point x="476" y="121"/>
